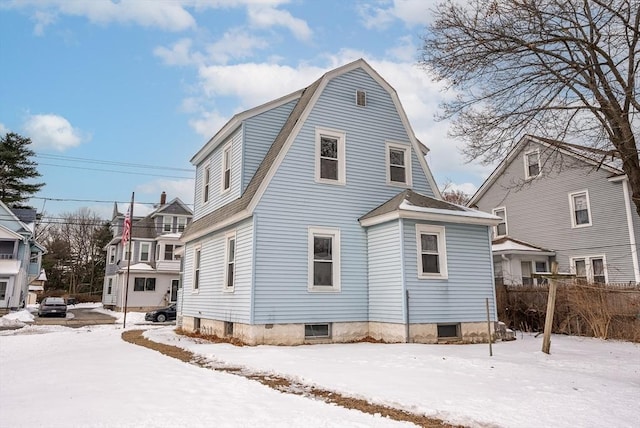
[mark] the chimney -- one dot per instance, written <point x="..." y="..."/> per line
<point x="163" y="198"/>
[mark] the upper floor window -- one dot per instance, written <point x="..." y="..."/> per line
<point x="144" y="284"/>
<point x="170" y="251"/>
<point x="182" y="223"/>
<point x="206" y="184"/>
<point x="167" y="223"/>
<point x="361" y="98"/>
<point x="196" y="269"/>
<point x="432" y="252"/>
<point x="330" y="156"/>
<point x="110" y="286"/>
<point x="112" y="254"/>
<point x="580" y="209"/>
<point x="145" y="251"/>
<point x="226" y="168"/>
<point x="532" y="164"/>
<point x="230" y="260"/>
<point x="398" y="164"/>
<point x="592" y="268"/>
<point x="324" y="259"/>
<point x="33" y="257"/>
<point x="501" y="228"/>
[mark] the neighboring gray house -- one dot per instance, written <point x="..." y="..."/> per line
<point x="20" y="255"/>
<point x="317" y="220"/>
<point x="155" y="264"/>
<point x="561" y="202"/>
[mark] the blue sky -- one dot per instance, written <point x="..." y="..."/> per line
<point x="97" y="84"/>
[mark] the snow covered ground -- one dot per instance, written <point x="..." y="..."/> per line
<point x="60" y="377"/>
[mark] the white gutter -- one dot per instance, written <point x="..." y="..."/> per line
<point x="632" y="236"/>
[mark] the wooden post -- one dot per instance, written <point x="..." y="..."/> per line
<point x="551" y="304"/>
<point x="489" y="327"/>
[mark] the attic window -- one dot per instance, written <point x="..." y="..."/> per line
<point x="361" y="98"/>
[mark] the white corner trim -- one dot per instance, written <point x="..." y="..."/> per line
<point x="632" y="235"/>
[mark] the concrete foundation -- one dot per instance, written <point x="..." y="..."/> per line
<point x="341" y="332"/>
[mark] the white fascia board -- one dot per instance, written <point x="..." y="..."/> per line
<point x="618" y="178"/>
<point x="10" y="233"/>
<point x="242" y="215"/>
<point x="236" y="121"/>
<point x="444" y="216"/>
<point x="523" y="252"/>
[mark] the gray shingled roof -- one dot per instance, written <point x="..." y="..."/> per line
<point x="610" y="158"/>
<point x="415" y="199"/>
<point x="243" y="201"/>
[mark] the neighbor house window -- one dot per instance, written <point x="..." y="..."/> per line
<point x="324" y="259"/>
<point x="226" y="168"/>
<point x="230" y="261"/>
<point x="144" y="284"/>
<point x="169" y="250"/>
<point x="398" y="164"/>
<point x="501" y="228"/>
<point x="3" y="290"/>
<point x="33" y="258"/>
<point x="110" y="285"/>
<point x="580" y="209"/>
<point x="532" y="164"/>
<point x="541" y="267"/>
<point x="167" y="223"/>
<point x="432" y="252"/>
<point x="127" y="253"/>
<point x="592" y="268"/>
<point x="145" y="251"/>
<point x="361" y="98"/>
<point x="330" y="156"/>
<point x="182" y="223"/>
<point x="207" y="181"/>
<point x="525" y="269"/>
<point x="196" y="269"/>
<point x="112" y="254"/>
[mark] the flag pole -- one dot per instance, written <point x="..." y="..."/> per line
<point x="126" y="287"/>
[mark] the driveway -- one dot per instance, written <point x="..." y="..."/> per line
<point x="78" y="317"/>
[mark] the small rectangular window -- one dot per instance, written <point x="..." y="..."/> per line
<point x="398" y="164"/>
<point x="182" y="224"/>
<point x="525" y="268"/>
<point x="109" y="287"/>
<point x="112" y="254"/>
<point x="532" y="164"/>
<point x="501" y="228"/>
<point x="448" y="331"/>
<point x="324" y="259"/>
<point x="580" y="209"/>
<point x="432" y="254"/>
<point x="230" y="261"/>
<point x="226" y="168"/>
<point x="167" y="223"/>
<point x="361" y="98"/>
<point x="580" y="267"/>
<point x="196" y="269"/>
<point x="168" y="252"/>
<point x="138" y="284"/>
<point x="207" y="180"/>
<point x="597" y="269"/>
<point x="315" y="331"/>
<point x="228" y="329"/>
<point x="196" y="325"/>
<point x="3" y="290"/>
<point x="330" y="157"/>
<point x="145" y="250"/>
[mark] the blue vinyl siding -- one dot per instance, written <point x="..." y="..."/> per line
<point x="461" y="297"/>
<point x="212" y="301"/>
<point x="294" y="201"/>
<point x="386" y="302"/>
<point x="218" y="199"/>
<point x="259" y="133"/>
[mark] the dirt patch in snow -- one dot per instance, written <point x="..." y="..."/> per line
<point x="286" y="385"/>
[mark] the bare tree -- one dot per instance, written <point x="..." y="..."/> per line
<point x="455" y="196"/>
<point x="561" y="69"/>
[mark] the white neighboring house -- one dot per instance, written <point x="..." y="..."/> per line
<point x="20" y="256"/>
<point x="561" y="202"/>
<point x="155" y="261"/>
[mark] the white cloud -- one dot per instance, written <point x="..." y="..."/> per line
<point x="411" y="12"/>
<point x="183" y="189"/>
<point x="208" y="123"/>
<point x="50" y="131"/>
<point x="179" y="54"/>
<point x="234" y="44"/>
<point x="264" y="16"/>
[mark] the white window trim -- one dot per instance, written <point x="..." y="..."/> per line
<point x="167" y="223"/>
<point x="225" y="149"/>
<point x="148" y="252"/>
<point x="228" y="237"/>
<point x="506" y="223"/>
<point x="112" y="254"/>
<point x="526" y="164"/>
<point x="572" y="209"/>
<point x="181" y="221"/>
<point x="206" y="184"/>
<point x="589" y="266"/>
<point x="439" y="231"/>
<point x="334" y="233"/>
<point x="407" y="163"/>
<point x="365" y="97"/>
<point x="196" y="251"/>
<point x="342" y="159"/>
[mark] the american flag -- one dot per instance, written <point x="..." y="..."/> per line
<point x="126" y="231"/>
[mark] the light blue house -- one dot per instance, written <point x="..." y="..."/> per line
<point x="20" y="256"/>
<point x="317" y="220"/>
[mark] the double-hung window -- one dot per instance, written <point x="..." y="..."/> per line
<point x="226" y="168"/>
<point x="206" y="185"/>
<point x="432" y="252"/>
<point x="591" y="268"/>
<point x="330" y="156"/>
<point x="532" y="164"/>
<point x="501" y="228"/>
<point x="324" y="259"/>
<point x="196" y="269"/>
<point x="230" y="261"/>
<point x="182" y="224"/>
<point x="144" y="284"/>
<point x="145" y="251"/>
<point x="398" y="164"/>
<point x="580" y="209"/>
<point x="167" y="223"/>
<point x="112" y="254"/>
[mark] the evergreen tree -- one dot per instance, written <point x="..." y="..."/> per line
<point x="16" y="168"/>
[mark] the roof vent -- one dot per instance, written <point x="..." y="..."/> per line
<point x="361" y="98"/>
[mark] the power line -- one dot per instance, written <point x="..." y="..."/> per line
<point x="118" y="171"/>
<point x="107" y="162"/>
<point x="93" y="200"/>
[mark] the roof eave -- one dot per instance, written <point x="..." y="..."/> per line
<point x="424" y="216"/>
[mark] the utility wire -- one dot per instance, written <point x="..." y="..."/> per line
<point x="93" y="200"/>
<point x="107" y="162"/>
<point x="118" y="171"/>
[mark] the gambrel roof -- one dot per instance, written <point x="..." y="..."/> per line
<point x="243" y="206"/>
<point x="607" y="160"/>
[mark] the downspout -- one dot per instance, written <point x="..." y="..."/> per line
<point x="405" y="292"/>
<point x="632" y="237"/>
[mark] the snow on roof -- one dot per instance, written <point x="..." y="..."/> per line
<point x="138" y="266"/>
<point x="510" y="245"/>
<point x="408" y="206"/>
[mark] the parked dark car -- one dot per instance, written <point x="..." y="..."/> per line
<point x="162" y="315"/>
<point x="53" y="306"/>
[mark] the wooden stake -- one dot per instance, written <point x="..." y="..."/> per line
<point x="551" y="305"/>
<point x="489" y="327"/>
